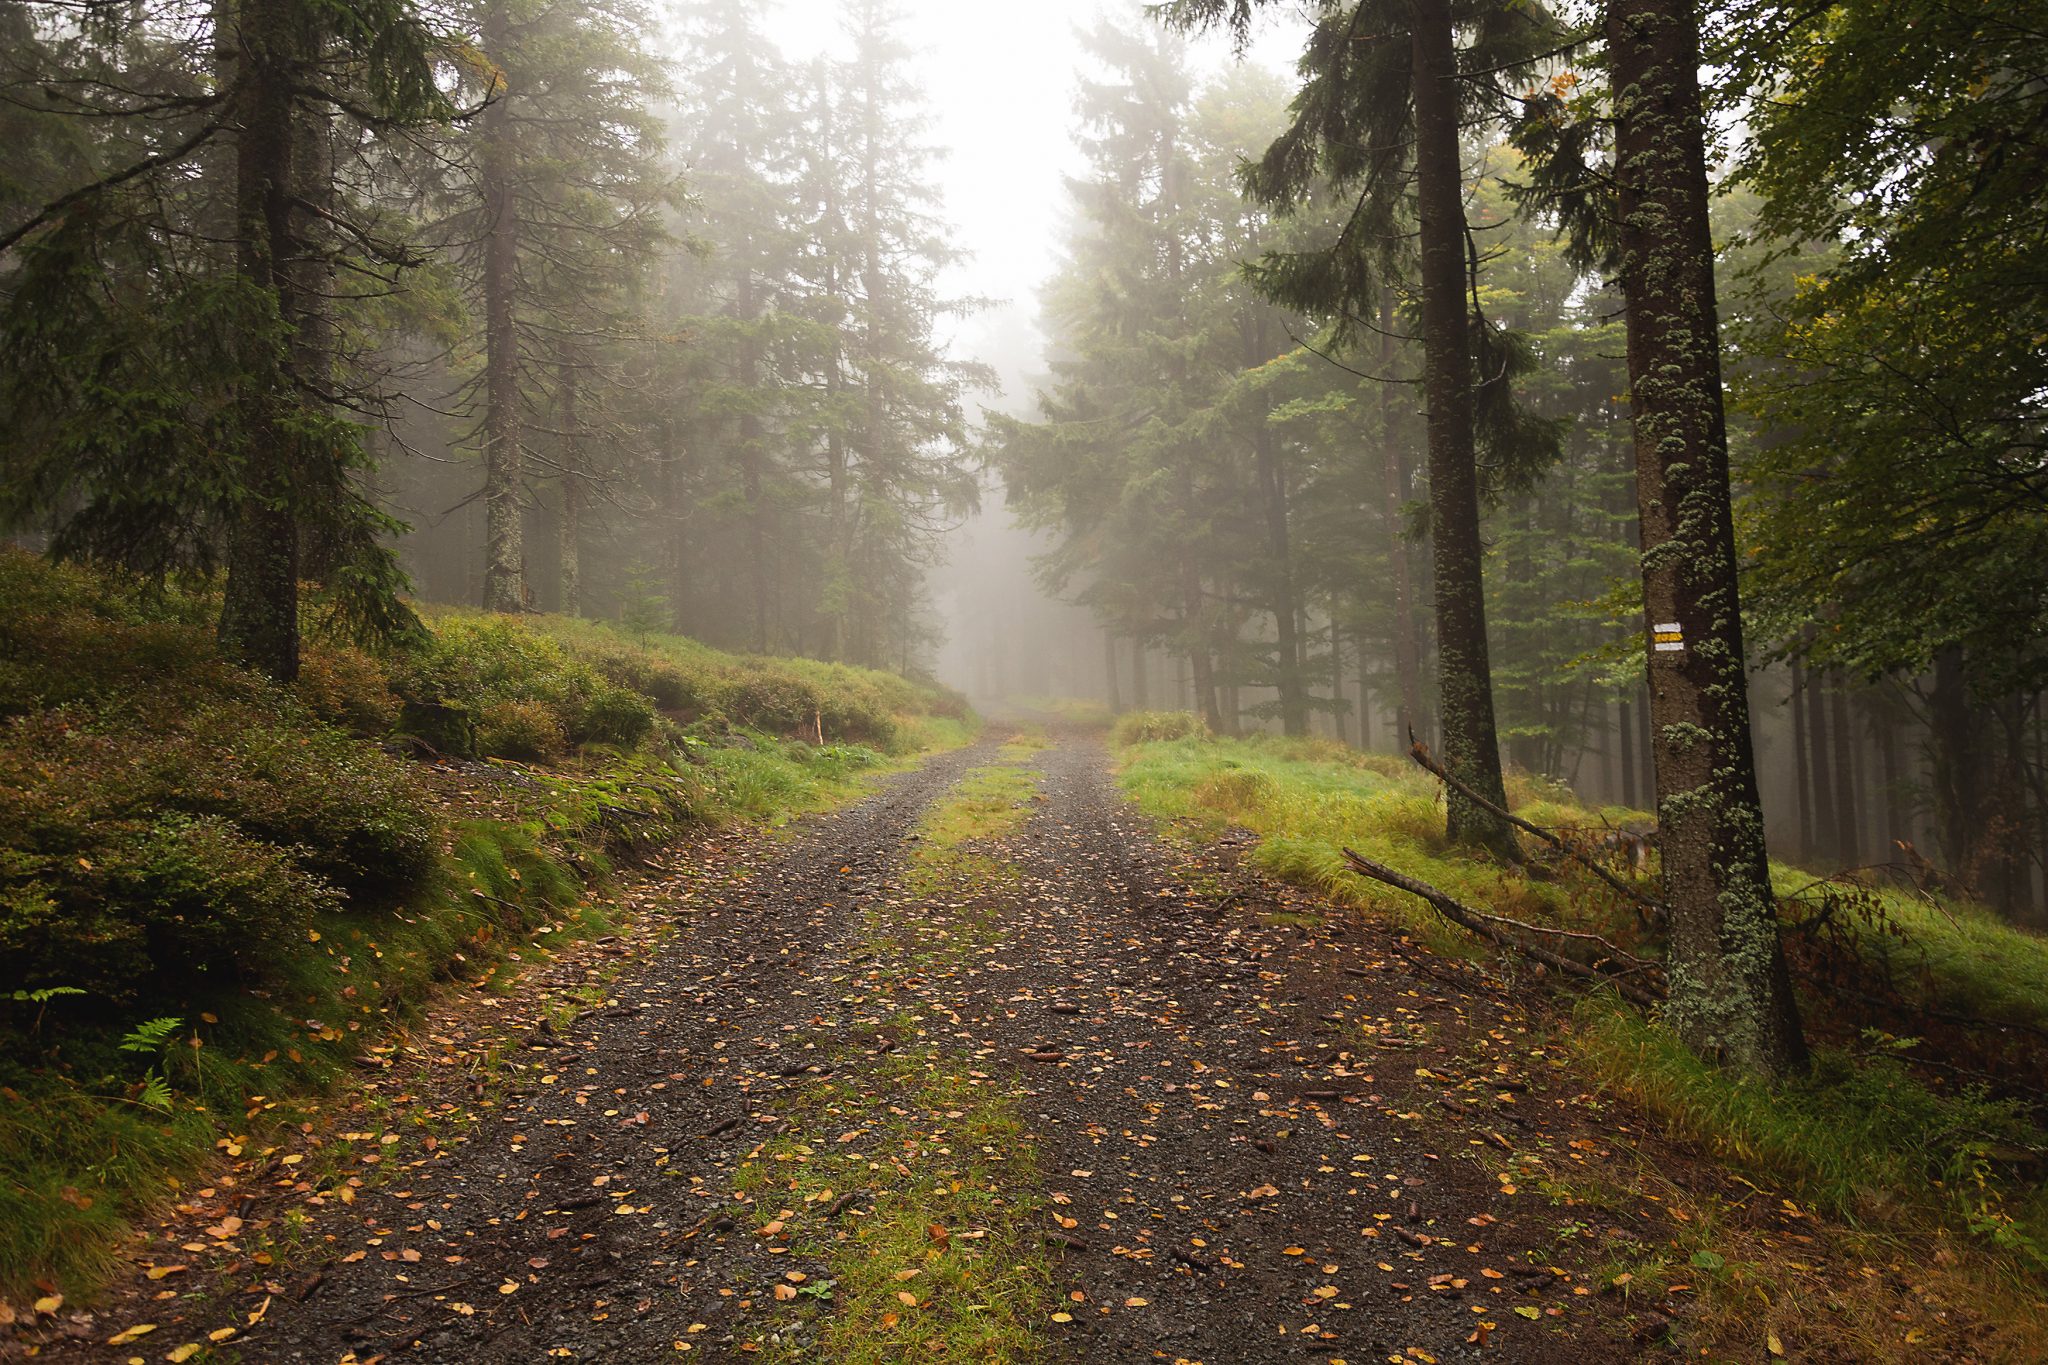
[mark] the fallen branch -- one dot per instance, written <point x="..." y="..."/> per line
<point x="1419" y="751"/>
<point x="1487" y="927"/>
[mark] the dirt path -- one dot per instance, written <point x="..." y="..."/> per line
<point x="1232" y="1139"/>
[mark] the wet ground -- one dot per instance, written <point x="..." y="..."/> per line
<point x="1259" y="1137"/>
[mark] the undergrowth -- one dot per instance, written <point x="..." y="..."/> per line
<point x="268" y="878"/>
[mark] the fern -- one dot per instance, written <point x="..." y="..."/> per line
<point x="43" y="996"/>
<point x="156" y="1092"/>
<point x="152" y="1035"/>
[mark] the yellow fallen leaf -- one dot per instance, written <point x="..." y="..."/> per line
<point x="183" y="1353"/>
<point x="126" y="1335"/>
<point x="1135" y="1302"/>
<point x="220" y="1334"/>
<point x="785" y="1292"/>
<point x="1062" y="1317"/>
<point x="906" y="1298"/>
<point x="1773" y="1345"/>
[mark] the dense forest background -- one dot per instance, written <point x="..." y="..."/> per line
<point x="621" y="311"/>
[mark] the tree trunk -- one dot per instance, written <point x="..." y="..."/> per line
<point x="1272" y="475"/>
<point x="1338" y="722"/>
<point x="1891" y="770"/>
<point x="750" y="458"/>
<point x="259" y="619"/>
<point x="504" y="532"/>
<point x="1731" y="996"/>
<point x="1140" y="696"/>
<point x="313" y="348"/>
<point x="572" y="497"/>
<point x="1471" y="748"/>
<point x="1625" y="733"/>
<point x="1848" y="840"/>
<point x="1802" y="767"/>
<point x="1819" y="765"/>
<point x="1394" y="496"/>
<point x="1109" y="684"/>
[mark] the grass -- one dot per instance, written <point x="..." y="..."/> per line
<point x="941" y="1255"/>
<point x="1867" y="1138"/>
<point x="181" y="840"/>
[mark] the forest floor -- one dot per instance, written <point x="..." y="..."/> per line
<point x="978" y="1068"/>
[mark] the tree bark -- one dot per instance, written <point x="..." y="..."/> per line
<point x="259" y="619"/>
<point x="504" y="530"/>
<point x="1471" y="746"/>
<point x="1731" y="996"/>
<point x="1140" y="696"/>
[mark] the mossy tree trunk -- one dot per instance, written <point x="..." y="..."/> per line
<point x="1731" y="997"/>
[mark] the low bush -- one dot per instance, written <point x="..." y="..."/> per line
<point x="346" y="687"/>
<point x="162" y="908"/>
<point x="528" y="731"/>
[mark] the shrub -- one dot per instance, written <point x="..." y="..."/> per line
<point x="157" y="903"/>
<point x="345" y="687"/>
<point x="1145" y="727"/>
<point x="612" y="715"/>
<point x="525" y="730"/>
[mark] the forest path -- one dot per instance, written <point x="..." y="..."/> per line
<point x="874" y="1101"/>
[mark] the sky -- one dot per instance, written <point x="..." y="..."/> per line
<point x="1000" y="79"/>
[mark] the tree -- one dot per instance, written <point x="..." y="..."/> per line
<point x="1731" y="994"/>
<point x="1386" y="91"/>
<point x="175" y="402"/>
<point x="560" y="202"/>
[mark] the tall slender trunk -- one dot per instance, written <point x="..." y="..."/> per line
<point x="1731" y="996"/>
<point x="1109" y="682"/>
<point x="1271" y="470"/>
<point x="571" y="530"/>
<point x="1140" y="696"/>
<point x="1364" y="700"/>
<point x="1394" y="497"/>
<point x="751" y="456"/>
<point x="1818" y="767"/>
<point x="1337" y="716"/>
<point x="1891" y="769"/>
<point x="1203" y="676"/>
<point x="504" y="531"/>
<point x="259" y="619"/>
<point x="1802" y="766"/>
<point x="1625" y="735"/>
<point x="1471" y="747"/>
<point x="1848" y="840"/>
